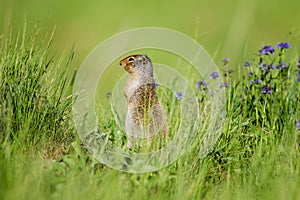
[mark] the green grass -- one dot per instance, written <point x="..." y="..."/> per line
<point x="34" y="108"/>
<point x="41" y="157"/>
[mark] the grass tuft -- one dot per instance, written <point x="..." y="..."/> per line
<point x="34" y="110"/>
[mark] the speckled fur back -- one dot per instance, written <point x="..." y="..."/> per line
<point x="144" y="114"/>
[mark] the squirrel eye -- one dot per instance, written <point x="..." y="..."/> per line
<point x="131" y="59"/>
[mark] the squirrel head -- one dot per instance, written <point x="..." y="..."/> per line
<point x="138" y="64"/>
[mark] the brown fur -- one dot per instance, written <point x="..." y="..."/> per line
<point x="144" y="114"/>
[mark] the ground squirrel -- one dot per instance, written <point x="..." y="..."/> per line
<point x="144" y="117"/>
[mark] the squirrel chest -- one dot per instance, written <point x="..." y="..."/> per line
<point x="141" y="101"/>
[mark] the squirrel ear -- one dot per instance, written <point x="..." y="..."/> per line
<point x="146" y="58"/>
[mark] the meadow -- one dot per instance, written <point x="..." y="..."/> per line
<point x="256" y="156"/>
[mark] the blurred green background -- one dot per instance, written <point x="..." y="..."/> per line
<point x="232" y="28"/>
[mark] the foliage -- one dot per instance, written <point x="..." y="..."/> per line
<point x="256" y="157"/>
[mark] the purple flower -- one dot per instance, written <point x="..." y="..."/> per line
<point x="298" y="79"/>
<point x="266" y="67"/>
<point x="225" y="84"/>
<point x="270" y="66"/>
<point x="247" y="64"/>
<point x="266" y="50"/>
<point x="156" y="84"/>
<point x="225" y="61"/>
<point x="298" y="124"/>
<point x="298" y="74"/>
<point x="283" y="45"/>
<point x="214" y="75"/>
<point x="258" y="81"/>
<point x="202" y="83"/>
<point x="282" y="65"/>
<point x="179" y="95"/>
<point x="298" y="65"/>
<point x="199" y="85"/>
<point x="266" y="90"/>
